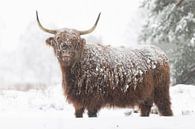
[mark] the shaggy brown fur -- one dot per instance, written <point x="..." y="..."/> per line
<point x="91" y="81"/>
<point x="96" y="76"/>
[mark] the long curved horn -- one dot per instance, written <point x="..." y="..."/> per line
<point x="43" y="28"/>
<point x="92" y="28"/>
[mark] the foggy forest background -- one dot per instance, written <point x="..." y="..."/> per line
<point x="171" y="26"/>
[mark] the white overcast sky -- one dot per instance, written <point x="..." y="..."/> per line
<point x="15" y="15"/>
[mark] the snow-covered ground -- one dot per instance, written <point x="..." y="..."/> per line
<point x="48" y="109"/>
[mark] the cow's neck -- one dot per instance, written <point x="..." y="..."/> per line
<point x="66" y="70"/>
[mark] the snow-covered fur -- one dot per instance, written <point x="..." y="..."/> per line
<point x="95" y="76"/>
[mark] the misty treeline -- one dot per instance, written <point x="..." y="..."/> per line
<point x="170" y="25"/>
<point x="31" y="64"/>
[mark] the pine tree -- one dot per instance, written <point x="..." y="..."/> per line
<point x="171" y="26"/>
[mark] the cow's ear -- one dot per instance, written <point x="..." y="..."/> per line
<point x="50" y="41"/>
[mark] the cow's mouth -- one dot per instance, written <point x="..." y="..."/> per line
<point x="66" y="57"/>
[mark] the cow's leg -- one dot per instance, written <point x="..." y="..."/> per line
<point x="92" y="112"/>
<point x="79" y="110"/>
<point x="162" y="101"/>
<point x="146" y="107"/>
<point x="161" y="91"/>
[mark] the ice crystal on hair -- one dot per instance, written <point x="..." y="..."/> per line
<point x="103" y="67"/>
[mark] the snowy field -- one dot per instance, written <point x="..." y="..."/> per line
<point x="48" y="110"/>
<point x="120" y="24"/>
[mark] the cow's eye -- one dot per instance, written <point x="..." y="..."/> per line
<point x="64" y="46"/>
<point x="59" y="39"/>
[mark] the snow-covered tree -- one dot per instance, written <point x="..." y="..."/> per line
<point x="171" y="26"/>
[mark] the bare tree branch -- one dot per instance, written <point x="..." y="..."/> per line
<point x="179" y="3"/>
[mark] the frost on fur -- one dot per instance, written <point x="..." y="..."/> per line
<point x="95" y="76"/>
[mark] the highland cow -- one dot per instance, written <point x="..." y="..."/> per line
<point x="96" y="76"/>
